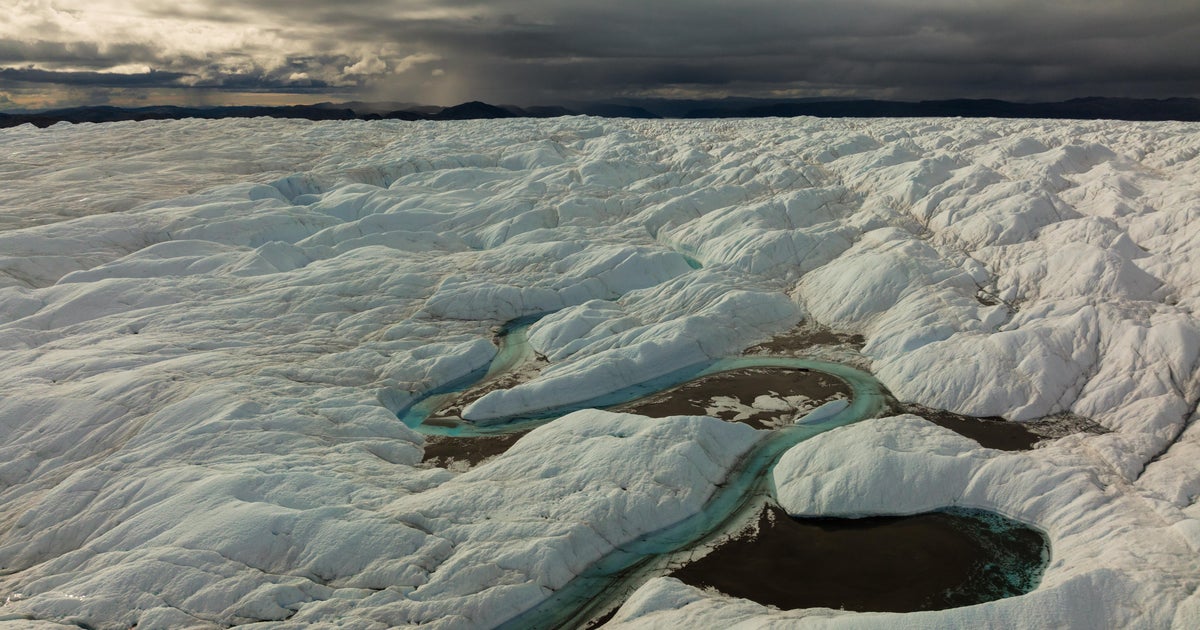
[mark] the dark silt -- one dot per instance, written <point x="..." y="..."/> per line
<point x="443" y="451"/>
<point x="805" y="338"/>
<point x="996" y="433"/>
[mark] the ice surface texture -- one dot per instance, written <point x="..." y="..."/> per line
<point x="197" y="410"/>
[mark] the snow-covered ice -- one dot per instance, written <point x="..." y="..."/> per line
<point x="208" y="327"/>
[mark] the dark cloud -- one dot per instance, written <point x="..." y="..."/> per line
<point x="527" y="51"/>
<point x="97" y="79"/>
<point x="1021" y="50"/>
<point x="240" y="81"/>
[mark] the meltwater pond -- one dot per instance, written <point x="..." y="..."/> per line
<point x="763" y="397"/>
<point x="955" y="557"/>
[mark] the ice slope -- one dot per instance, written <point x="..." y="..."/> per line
<point x="208" y="326"/>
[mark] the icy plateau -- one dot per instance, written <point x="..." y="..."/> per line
<point x="207" y="329"/>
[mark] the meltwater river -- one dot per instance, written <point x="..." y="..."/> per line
<point x="747" y="488"/>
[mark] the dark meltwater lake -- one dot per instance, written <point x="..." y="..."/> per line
<point x="928" y="561"/>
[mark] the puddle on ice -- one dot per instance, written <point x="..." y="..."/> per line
<point x="928" y="561"/>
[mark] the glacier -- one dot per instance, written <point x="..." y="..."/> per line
<point x="208" y="329"/>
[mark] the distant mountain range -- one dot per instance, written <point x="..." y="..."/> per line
<point x="1183" y="109"/>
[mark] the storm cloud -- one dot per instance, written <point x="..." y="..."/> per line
<point x="532" y="51"/>
<point x="100" y="79"/>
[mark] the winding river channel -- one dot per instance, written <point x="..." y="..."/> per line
<point x="737" y="501"/>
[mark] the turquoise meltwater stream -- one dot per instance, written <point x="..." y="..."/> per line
<point x="610" y="578"/>
<point x="746" y="486"/>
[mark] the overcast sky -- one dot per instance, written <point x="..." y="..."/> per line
<point x="527" y="52"/>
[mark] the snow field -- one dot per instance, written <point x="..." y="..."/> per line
<point x="208" y="326"/>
